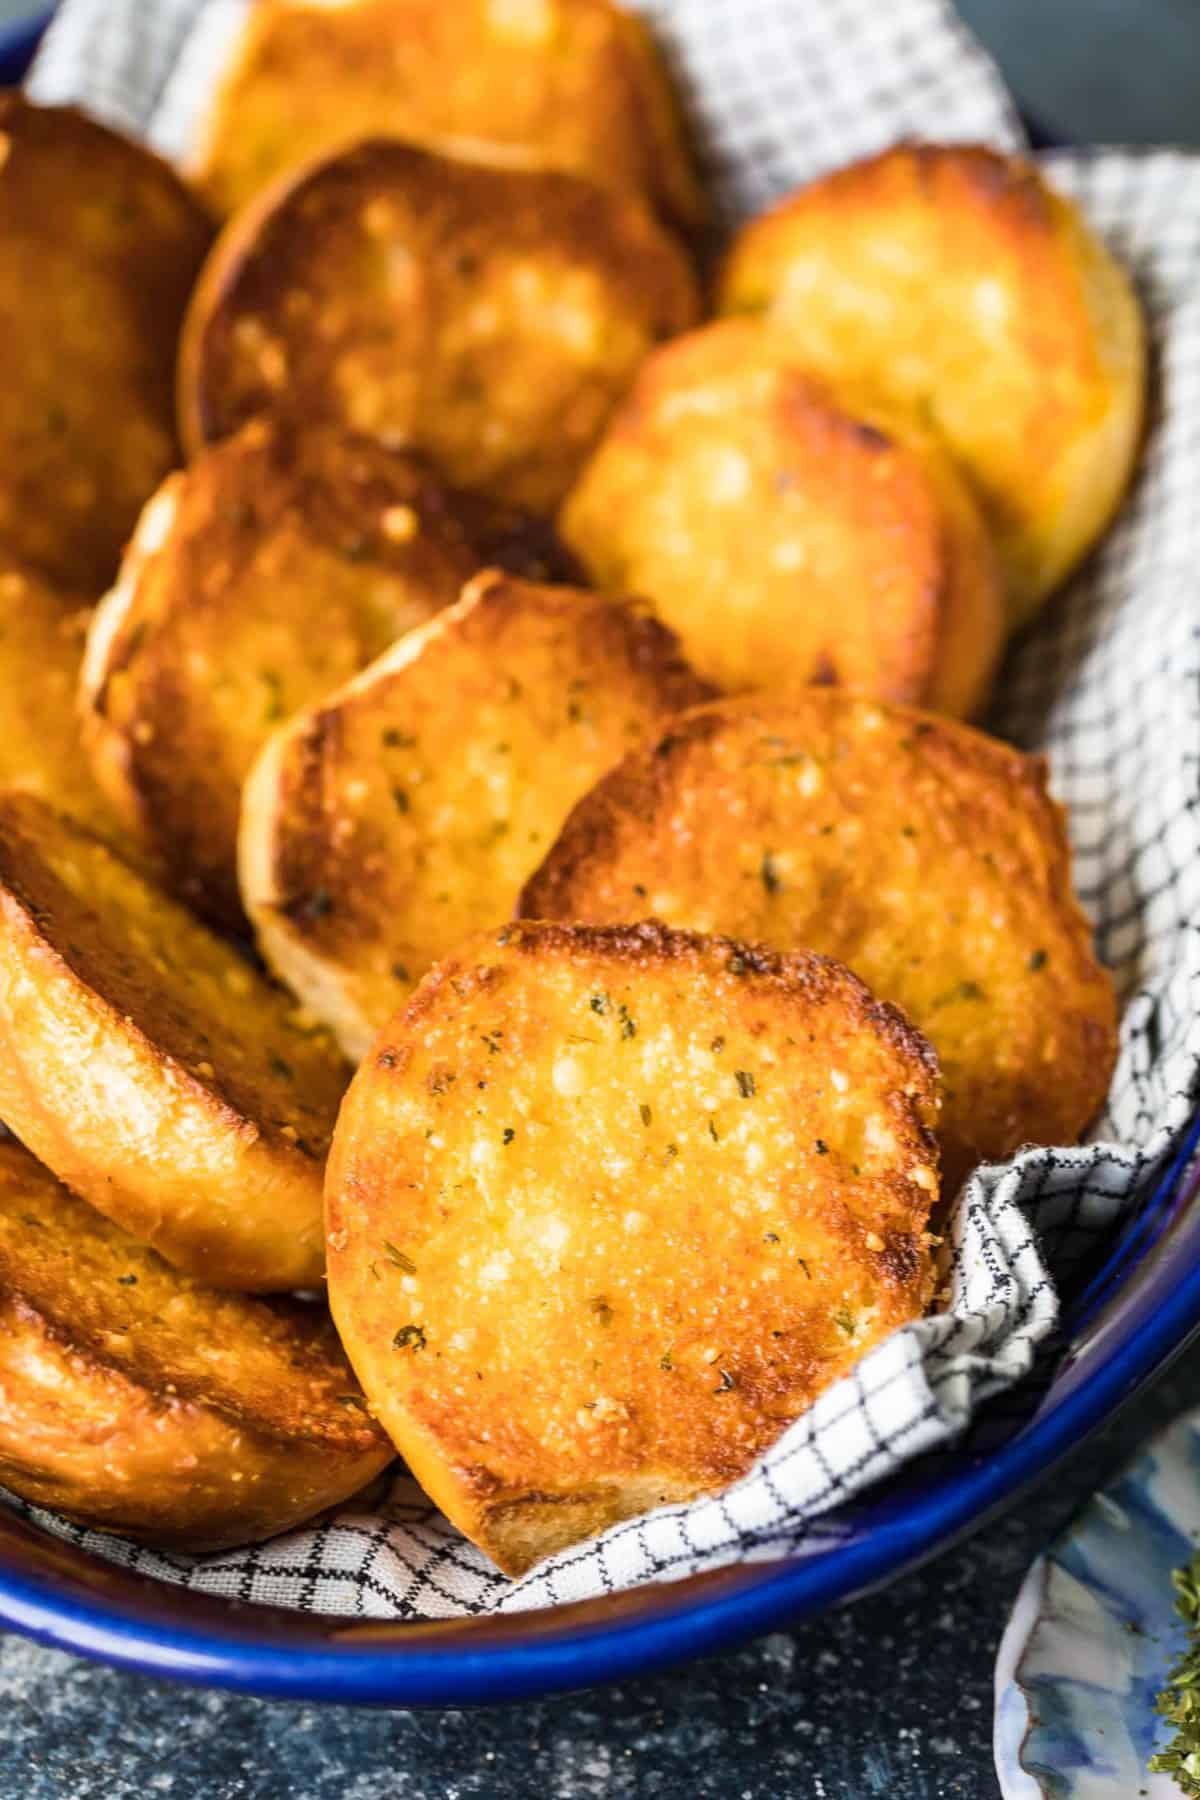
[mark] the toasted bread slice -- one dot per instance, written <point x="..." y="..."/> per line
<point x="928" y="857"/>
<point x="958" y="284"/>
<point x="383" y="826"/>
<point x="151" y="1068"/>
<point x="489" y="318"/>
<point x="607" y="1208"/>
<point x="137" y="1401"/>
<point x="41" y="644"/>
<point x="786" y="533"/>
<point x="268" y="573"/>
<point x="552" y="84"/>
<point x="99" y="246"/>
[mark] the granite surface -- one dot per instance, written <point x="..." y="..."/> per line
<point x="892" y="1697"/>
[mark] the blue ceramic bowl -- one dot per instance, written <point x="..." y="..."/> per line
<point x="1139" y="1309"/>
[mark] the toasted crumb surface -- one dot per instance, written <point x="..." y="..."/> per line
<point x="488" y="317"/>
<point x="152" y="1068"/>
<point x="790" y="532"/>
<point x="99" y="245"/>
<point x="927" y="856"/>
<point x="384" y="825"/>
<point x="263" y="576"/>
<point x="556" y="84"/>
<point x="42" y="634"/>
<point x="958" y="284"/>
<point x="607" y="1208"/>
<point x="139" y="1401"/>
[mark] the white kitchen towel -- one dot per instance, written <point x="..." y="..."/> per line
<point x="1108" y="685"/>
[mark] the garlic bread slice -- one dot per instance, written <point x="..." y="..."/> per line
<point x="382" y="826"/>
<point x="146" y="1063"/>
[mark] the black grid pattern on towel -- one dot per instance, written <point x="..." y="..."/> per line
<point x="1108" y="685"/>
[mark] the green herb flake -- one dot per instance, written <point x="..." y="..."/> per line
<point x="712" y="1132"/>
<point x="769" y="874"/>
<point x="664" y="1361"/>
<point x="717" y="1045"/>
<point x="400" y="971"/>
<point x="409" y="1337"/>
<point x="746" y="1085"/>
<point x="1179" y="1702"/>
<point x="400" y="800"/>
<point x="1038" y="960"/>
<point x="600" y="1306"/>
<point x="398" y="1257"/>
<point x="639" y="890"/>
<point x="492" y="1040"/>
<point x="726" y="1382"/>
<point x="274" y="709"/>
<point x="599" y="1003"/>
<point x="628" y="1025"/>
<point x="646" y="1113"/>
<point x="126" y="1280"/>
<point x="805" y="1267"/>
<point x="770" y="1237"/>
<point x="844" y="1320"/>
<point x="822" y="1148"/>
<point x="398" y="740"/>
<point x="508" y="1136"/>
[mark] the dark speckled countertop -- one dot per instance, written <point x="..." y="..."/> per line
<point x="891" y="1697"/>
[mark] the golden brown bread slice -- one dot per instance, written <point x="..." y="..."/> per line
<point x="955" y="281"/>
<point x="928" y="857"/>
<point x="137" y="1401"/>
<point x="382" y="826"/>
<point x="41" y="644"/>
<point x="489" y="318"/>
<point x="151" y="1068"/>
<point x="99" y="245"/>
<point x="268" y="573"/>
<point x="556" y="84"/>
<point x="788" y="532"/>
<point x="607" y="1208"/>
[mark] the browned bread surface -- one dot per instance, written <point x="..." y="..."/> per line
<point x="151" y="1068"/>
<point x="788" y="532"/>
<point x="263" y="576"/>
<point x="138" y="1401"/>
<point x="99" y="246"/>
<point x="926" y="856"/>
<point x="386" y="823"/>
<point x="556" y="84"/>
<point x="490" y="318"/>
<point x="958" y="284"/>
<point x="607" y="1208"/>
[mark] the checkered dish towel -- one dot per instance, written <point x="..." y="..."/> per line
<point x="1108" y="685"/>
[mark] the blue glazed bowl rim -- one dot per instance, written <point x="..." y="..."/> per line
<point x="64" y="1598"/>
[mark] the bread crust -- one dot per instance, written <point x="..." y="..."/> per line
<point x="955" y="281"/>
<point x="607" y="1208"/>
<point x="556" y="84"/>
<point x="152" y="1068"/>
<point x="488" y="317"/>
<point x="99" y="245"/>
<point x="137" y="1401"/>
<point x="42" y="634"/>
<point x="790" y="532"/>
<point x="927" y="856"/>
<point x="405" y="811"/>
<point x="266" y="574"/>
